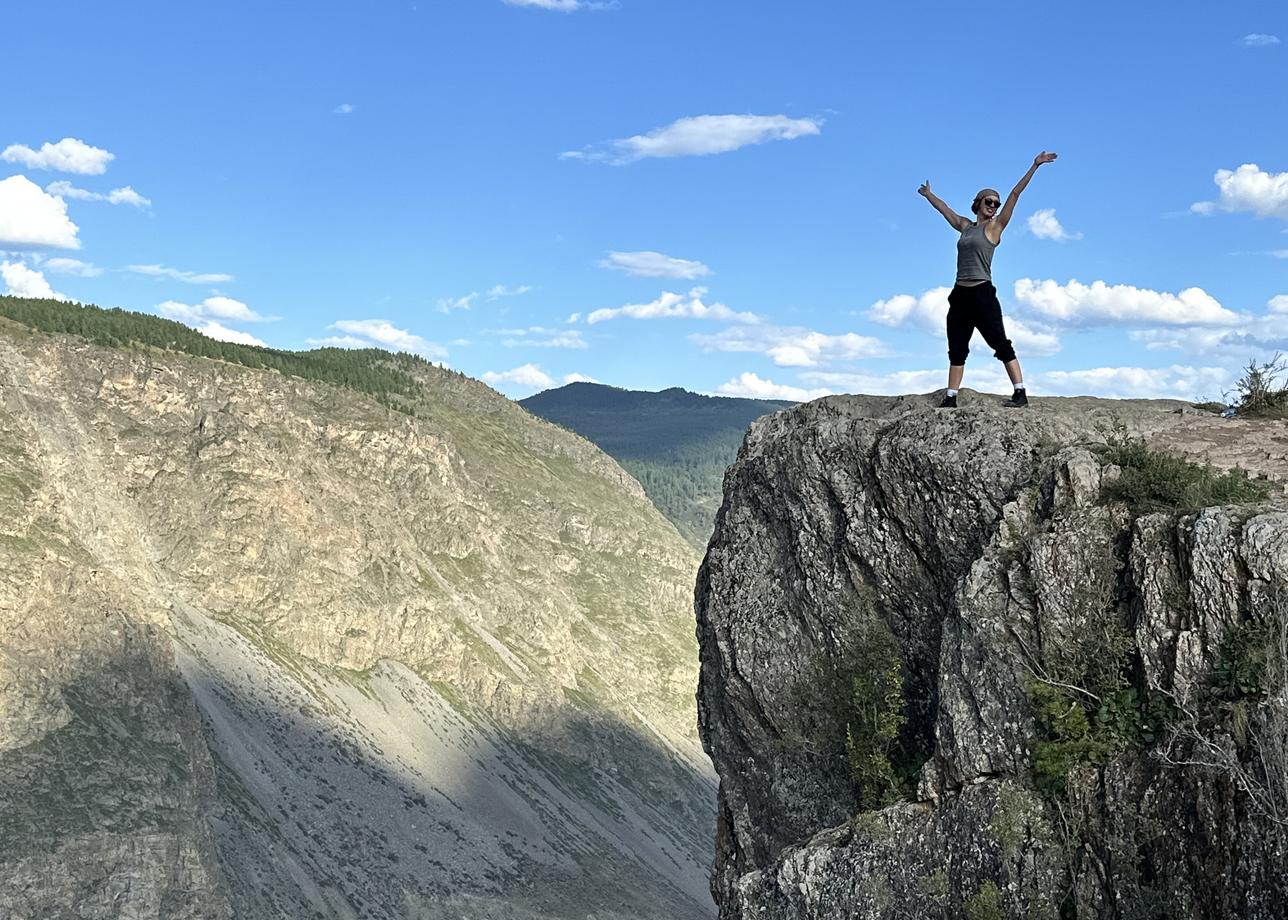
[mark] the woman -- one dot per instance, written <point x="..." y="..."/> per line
<point x="973" y="302"/>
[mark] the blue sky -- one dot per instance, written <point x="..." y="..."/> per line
<point x="650" y="193"/>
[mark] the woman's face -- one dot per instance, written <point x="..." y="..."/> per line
<point x="989" y="202"/>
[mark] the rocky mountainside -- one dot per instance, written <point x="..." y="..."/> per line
<point x="676" y="443"/>
<point x="269" y="648"/>
<point x="991" y="663"/>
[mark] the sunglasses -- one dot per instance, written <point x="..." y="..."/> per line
<point x="991" y="202"/>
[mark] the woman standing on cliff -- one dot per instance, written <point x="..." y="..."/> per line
<point x="973" y="302"/>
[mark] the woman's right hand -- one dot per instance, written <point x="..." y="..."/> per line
<point x="924" y="191"/>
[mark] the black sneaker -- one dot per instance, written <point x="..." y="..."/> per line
<point x="950" y="402"/>
<point x="1018" y="399"/>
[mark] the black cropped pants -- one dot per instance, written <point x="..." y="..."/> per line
<point x="971" y="308"/>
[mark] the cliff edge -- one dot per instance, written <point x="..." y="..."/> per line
<point x="970" y="663"/>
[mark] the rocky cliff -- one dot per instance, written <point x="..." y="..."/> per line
<point x="952" y="666"/>
<point x="271" y="649"/>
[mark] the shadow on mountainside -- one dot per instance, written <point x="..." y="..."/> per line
<point x="313" y="796"/>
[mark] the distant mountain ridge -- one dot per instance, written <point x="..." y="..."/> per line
<point x="675" y="442"/>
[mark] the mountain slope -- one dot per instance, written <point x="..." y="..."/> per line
<point x="272" y="647"/>
<point x="676" y="443"/>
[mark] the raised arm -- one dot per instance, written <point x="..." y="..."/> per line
<point x="1008" y="208"/>
<point x="958" y="222"/>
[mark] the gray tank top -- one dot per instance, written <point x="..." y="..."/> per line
<point x="974" y="255"/>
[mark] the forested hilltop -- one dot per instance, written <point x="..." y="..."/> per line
<point x="676" y="443"/>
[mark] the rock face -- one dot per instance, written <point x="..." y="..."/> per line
<point x="268" y="649"/>
<point x="982" y="540"/>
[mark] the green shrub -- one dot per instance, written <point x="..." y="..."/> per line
<point x="985" y="904"/>
<point x="874" y="716"/>
<point x="1246" y="661"/>
<point x="1259" y="391"/>
<point x="1155" y="481"/>
<point x="854" y="703"/>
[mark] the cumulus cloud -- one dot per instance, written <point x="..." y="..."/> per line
<point x="344" y="108"/>
<point x="791" y="346"/>
<point x="75" y="267"/>
<point x="1248" y="188"/>
<point x="217" y="307"/>
<point x="929" y="310"/>
<point x="654" y="265"/>
<point x="448" y="304"/>
<point x="161" y="271"/>
<point x="674" y="306"/>
<point x="1044" y="226"/>
<point x="1278" y="304"/>
<point x="987" y="378"/>
<point x="699" y="136"/>
<point x="542" y="337"/>
<point x="126" y="195"/>
<point x="526" y="375"/>
<point x="21" y="281"/>
<point x="1075" y="303"/>
<point x="68" y="155"/>
<point x="31" y="218"/>
<point x="1259" y="40"/>
<point x="578" y="378"/>
<point x="379" y="333"/>
<point x="216" y="330"/>
<point x="1174" y="382"/>
<point x="752" y="386"/>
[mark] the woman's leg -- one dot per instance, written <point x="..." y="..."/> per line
<point x="960" y="326"/>
<point x="1013" y="371"/>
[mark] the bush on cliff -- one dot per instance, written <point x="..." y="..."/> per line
<point x="1155" y="481"/>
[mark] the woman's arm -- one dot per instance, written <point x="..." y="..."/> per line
<point x="958" y="222"/>
<point x="1004" y="217"/>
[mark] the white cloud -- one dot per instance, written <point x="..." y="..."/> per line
<point x="752" y="386"/>
<point x="344" y="108"/>
<point x="791" y="346"/>
<point x="64" y="189"/>
<point x="565" y="6"/>
<point x="654" y="265"/>
<point x="1278" y="303"/>
<point x="1253" y="335"/>
<point x="987" y="378"/>
<point x="379" y="333"/>
<point x="1088" y="305"/>
<point x="1044" y="226"/>
<point x="21" y="281"/>
<point x="75" y="267"/>
<point x="68" y="155"/>
<point x="339" y="341"/>
<point x="161" y="271"/>
<point x="31" y="218"/>
<point x="674" y="306"/>
<point x="212" y="307"/>
<point x="542" y="337"/>
<point x="218" y="331"/>
<point x="930" y="311"/>
<point x="578" y="378"/>
<point x="526" y="375"/>
<point x="698" y="136"/>
<point x="500" y="290"/>
<point x="1174" y="382"/>
<point x="447" y="304"/>
<point x="1248" y="188"/>
<point x="1259" y="40"/>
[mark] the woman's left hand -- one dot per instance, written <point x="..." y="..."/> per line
<point x="1043" y="157"/>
